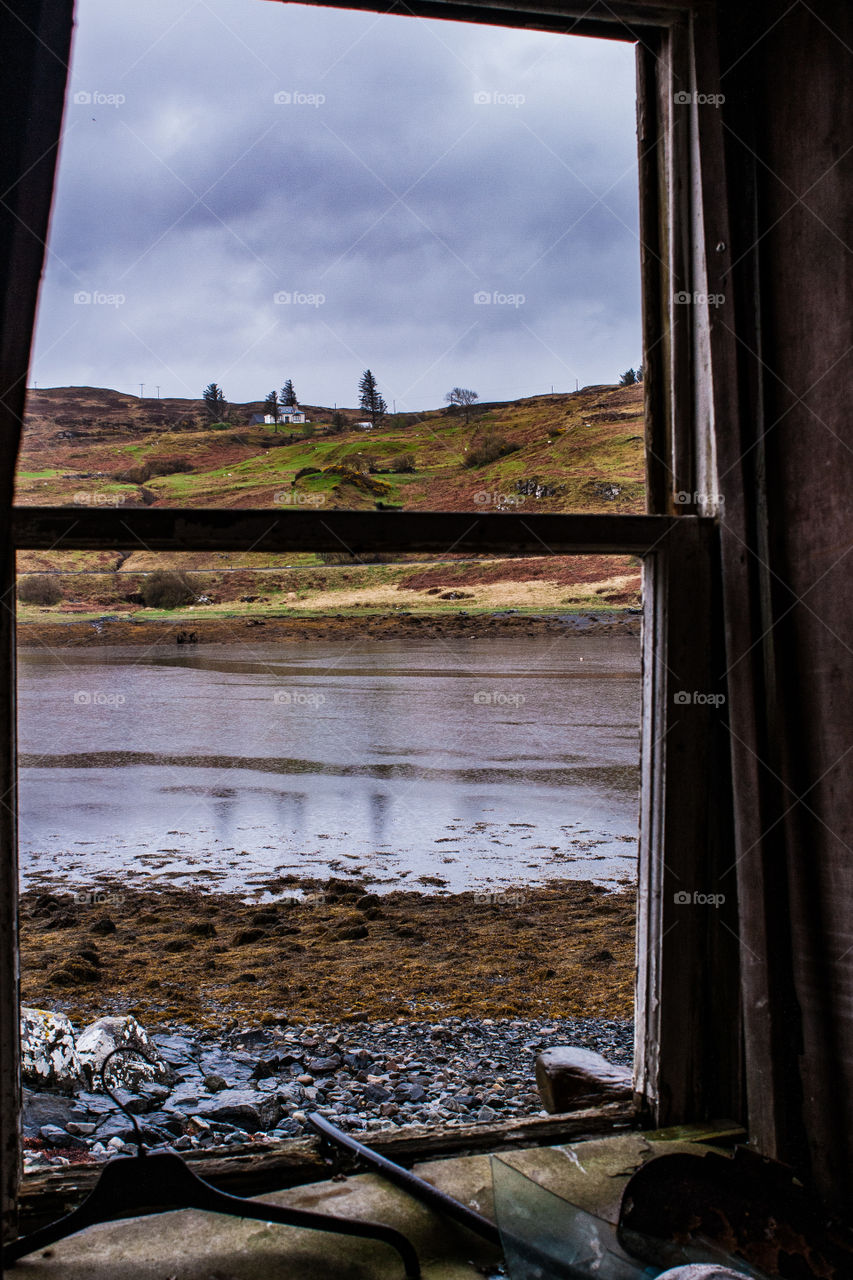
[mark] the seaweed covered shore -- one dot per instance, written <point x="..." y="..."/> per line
<point x="328" y="950"/>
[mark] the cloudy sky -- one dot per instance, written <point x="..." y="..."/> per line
<point x="250" y="192"/>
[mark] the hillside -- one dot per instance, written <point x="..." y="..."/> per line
<point x="579" y="452"/>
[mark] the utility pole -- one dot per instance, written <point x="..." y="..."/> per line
<point x="141" y="389"/>
<point x="158" y="393"/>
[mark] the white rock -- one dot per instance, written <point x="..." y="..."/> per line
<point x="125" y="1071"/>
<point x="49" y="1058"/>
<point x="701" y="1271"/>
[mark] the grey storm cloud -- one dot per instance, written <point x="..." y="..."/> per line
<point x="251" y="191"/>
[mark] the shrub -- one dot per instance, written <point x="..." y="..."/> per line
<point x="404" y="463"/>
<point x="366" y="463"/>
<point x="39" y="588"/>
<point x="134" y="475"/>
<point x="154" y="467"/>
<point x="306" y="471"/>
<point x="166" y="589"/>
<point x="487" y="451"/>
<point x="170" y="466"/>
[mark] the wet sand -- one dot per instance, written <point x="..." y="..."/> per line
<point x="329" y="951"/>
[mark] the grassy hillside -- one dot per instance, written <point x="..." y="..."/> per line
<point x="93" y="444"/>
<point x="578" y="452"/>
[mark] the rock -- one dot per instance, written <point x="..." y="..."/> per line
<point x="97" y="1041"/>
<point x="49" y="1056"/>
<point x="174" y="1049"/>
<point x="701" y="1271"/>
<point x="569" y="1078"/>
<point x="44" y="1108"/>
<point x="214" y="1083"/>
<point x="486" y="1114"/>
<point x="54" y="1136"/>
<point x="252" y="1037"/>
<point x="275" y="1066"/>
<point x="243" y="1107"/>
<point x="154" y="1094"/>
<point x="322" y="1065"/>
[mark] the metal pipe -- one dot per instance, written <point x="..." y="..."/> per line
<point x="417" y="1187"/>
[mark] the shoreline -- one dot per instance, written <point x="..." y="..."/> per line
<point x="112" y="629"/>
<point x="384" y="1014"/>
<point x="250" y="1087"/>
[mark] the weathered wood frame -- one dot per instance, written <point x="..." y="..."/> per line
<point x="688" y="1033"/>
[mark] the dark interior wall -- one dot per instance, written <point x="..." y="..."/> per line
<point x="34" y="38"/>
<point x="793" y="71"/>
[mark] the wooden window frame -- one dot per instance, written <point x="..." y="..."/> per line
<point x="688" y="1018"/>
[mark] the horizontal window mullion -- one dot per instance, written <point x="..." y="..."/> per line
<point x="359" y="532"/>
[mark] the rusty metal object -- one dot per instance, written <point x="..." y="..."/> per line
<point x="745" y="1204"/>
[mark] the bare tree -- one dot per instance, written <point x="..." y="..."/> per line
<point x="462" y="398"/>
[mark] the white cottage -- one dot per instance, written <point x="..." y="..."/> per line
<point x="288" y="415"/>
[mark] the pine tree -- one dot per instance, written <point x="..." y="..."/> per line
<point x="272" y="406"/>
<point x="369" y="398"/>
<point x="215" y="403"/>
<point x="288" y="395"/>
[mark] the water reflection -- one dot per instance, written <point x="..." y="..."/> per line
<point x="477" y="762"/>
